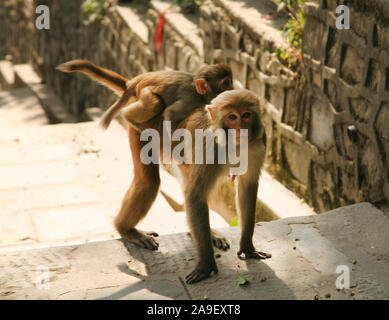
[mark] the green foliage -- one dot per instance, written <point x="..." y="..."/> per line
<point x="189" y="5"/>
<point x="234" y="222"/>
<point x="242" y="281"/>
<point x="293" y="28"/>
<point x="93" y="10"/>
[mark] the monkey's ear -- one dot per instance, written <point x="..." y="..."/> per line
<point x="202" y="86"/>
<point x="211" y="111"/>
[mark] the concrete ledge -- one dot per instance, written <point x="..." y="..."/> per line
<point x="55" y="109"/>
<point x="253" y="15"/>
<point x="185" y="25"/>
<point x="7" y="75"/>
<point x="134" y="21"/>
<point x="306" y="252"/>
<point x="270" y="194"/>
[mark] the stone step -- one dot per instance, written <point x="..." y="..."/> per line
<point x="306" y="253"/>
<point x="19" y="107"/>
<point x="7" y="75"/>
<point x="271" y="192"/>
<point x="55" y="110"/>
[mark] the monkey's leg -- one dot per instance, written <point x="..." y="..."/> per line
<point x="139" y="197"/>
<point x="247" y="189"/>
<point x="146" y="107"/>
<point x="198" y="218"/>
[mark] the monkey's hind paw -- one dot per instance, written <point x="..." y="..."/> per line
<point x="219" y="241"/>
<point x="152" y="233"/>
<point x="142" y="239"/>
<point x="200" y="273"/>
<point x="253" y="255"/>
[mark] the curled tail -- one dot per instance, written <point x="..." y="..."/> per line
<point x="108" y="78"/>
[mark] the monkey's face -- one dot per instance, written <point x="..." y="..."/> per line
<point x="213" y="80"/>
<point x="242" y="118"/>
<point x="236" y="109"/>
<point x="223" y="84"/>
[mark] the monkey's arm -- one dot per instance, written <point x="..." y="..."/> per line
<point x="197" y="211"/>
<point x="179" y="111"/>
<point x="246" y="197"/>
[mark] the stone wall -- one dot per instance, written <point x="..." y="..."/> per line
<point x="348" y="76"/>
<point x="44" y="49"/>
<point x="327" y="130"/>
<point x="16" y="21"/>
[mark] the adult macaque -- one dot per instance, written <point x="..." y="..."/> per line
<point x="176" y="92"/>
<point x="235" y="109"/>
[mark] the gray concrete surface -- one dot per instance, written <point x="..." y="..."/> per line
<point x="306" y="252"/>
<point x="54" y="108"/>
<point x="19" y="107"/>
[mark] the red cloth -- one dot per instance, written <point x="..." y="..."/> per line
<point x="158" y="39"/>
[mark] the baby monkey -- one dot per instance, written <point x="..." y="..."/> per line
<point x="175" y="93"/>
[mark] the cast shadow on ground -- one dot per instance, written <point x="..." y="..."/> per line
<point x="163" y="272"/>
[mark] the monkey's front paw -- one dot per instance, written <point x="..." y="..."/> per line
<point x="200" y="273"/>
<point x="253" y="255"/>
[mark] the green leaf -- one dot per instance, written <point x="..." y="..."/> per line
<point x="234" y="222"/>
<point x="242" y="281"/>
<point x="284" y="55"/>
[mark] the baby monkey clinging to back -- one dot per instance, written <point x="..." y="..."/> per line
<point x="176" y="93"/>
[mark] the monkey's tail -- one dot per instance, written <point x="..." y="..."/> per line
<point x="108" y="78"/>
<point x="113" y="110"/>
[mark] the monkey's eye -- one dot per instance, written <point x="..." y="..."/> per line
<point x="246" y="115"/>
<point x="232" y="117"/>
<point x="226" y="82"/>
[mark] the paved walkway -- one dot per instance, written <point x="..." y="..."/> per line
<point x="306" y="254"/>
